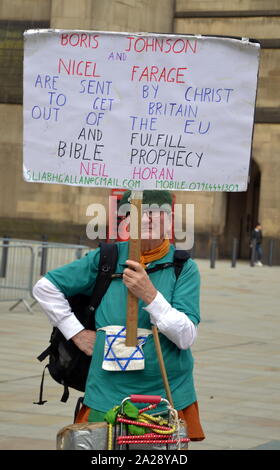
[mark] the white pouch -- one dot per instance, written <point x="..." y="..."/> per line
<point x="118" y="356"/>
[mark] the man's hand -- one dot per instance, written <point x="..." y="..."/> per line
<point x="85" y="340"/>
<point x="137" y="281"/>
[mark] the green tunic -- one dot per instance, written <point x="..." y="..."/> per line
<point x="106" y="389"/>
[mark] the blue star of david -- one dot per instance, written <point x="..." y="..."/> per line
<point x="110" y="339"/>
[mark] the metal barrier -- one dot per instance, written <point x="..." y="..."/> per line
<point x="51" y="256"/>
<point x="16" y="280"/>
<point x="23" y="263"/>
<point x="4" y="257"/>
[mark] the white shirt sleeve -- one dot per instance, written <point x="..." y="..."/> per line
<point x="57" y="308"/>
<point x="175" y="325"/>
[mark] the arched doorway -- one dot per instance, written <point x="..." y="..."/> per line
<point x="242" y="214"/>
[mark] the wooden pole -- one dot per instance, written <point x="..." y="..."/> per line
<point x="134" y="254"/>
<point x="162" y="366"/>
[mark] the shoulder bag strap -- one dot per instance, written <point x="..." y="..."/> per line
<point x="107" y="266"/>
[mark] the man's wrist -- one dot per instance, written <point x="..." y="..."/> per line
<point x="150" y="296"/>
<point x="70" y="326"/>
<point x="79" y="334"/>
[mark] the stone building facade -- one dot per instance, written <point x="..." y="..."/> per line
<point x="31" y="210"/>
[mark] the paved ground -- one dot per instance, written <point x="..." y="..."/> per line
<point x="237" y="366"/>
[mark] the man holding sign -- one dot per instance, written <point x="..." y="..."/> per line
<point x="180" y="112"/>
<point x="163" y="300"/>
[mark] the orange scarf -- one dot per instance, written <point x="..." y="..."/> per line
<point x="155" y="253"/>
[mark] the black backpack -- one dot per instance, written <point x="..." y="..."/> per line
<point x="68" y="365"/>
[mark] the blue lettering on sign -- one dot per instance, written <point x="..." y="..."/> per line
<point x="143" y="123"/>
<point x="192" y="125"/>
<point x="60" y="99"/>
<point x="208" y="95"/>
<point x="46" y="81"/>
<point x="93" y="119"/>
<point x="44" y="112"/>
<point x="150" y="91"/>
<point x="103" y="103"/>
<point x="95" y="87"/>
<point x="117" y="56"/>
<point x="51" y="112"/>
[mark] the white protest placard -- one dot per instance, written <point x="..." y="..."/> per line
<point x="138" y="111"/>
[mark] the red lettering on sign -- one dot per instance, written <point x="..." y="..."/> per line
<point x="80" y="40"/>
<point x="158" y="74"/>
<point x="81" y="67"/>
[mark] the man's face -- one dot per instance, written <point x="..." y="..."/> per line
<point x="155" y="225"/>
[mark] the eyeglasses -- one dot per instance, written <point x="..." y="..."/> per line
<point x="151" y="214"/>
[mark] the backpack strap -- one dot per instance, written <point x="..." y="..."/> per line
<point x="107" y="266"/>
<point x="159" y="267"/>
<point x="78" y="408"/>
<point x="41" y="401"/>
<point x="44" y="354"/>
<point x="180" y="258"/>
